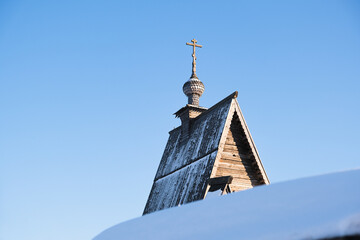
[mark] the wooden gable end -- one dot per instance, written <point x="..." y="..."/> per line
<point x="237" y="155"/>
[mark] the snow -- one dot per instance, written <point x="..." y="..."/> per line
<point x="213" y="194"/>
<point x="309" y="208"/>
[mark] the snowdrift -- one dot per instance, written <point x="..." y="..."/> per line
<point x="312" y="208"/>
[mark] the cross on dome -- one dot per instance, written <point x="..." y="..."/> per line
<point x="193" y="88"/>
<point x="194" y="41"/>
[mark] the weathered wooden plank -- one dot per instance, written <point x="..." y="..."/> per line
<point x="237" y="159"/>
<point x="248" y="161"/>
<point x="232" y="158"/>
<point x="237" y="137"/>
<point x="230" y="147"/>
<point x="230" y="142"/>
<point x="222" y="171"/>
<point x="256" y="174"/>
<point x="238" y="166"/>
<point x="240" y="187"/>
<point x="232" y="155"/>
<point x="242" y="180"/>
<point x="238" y="144"/>
<point x="236" y="174"/>
<point x="244" y="185"/>
<point x="241" y="183"/>
<point x="230" y="138"/>
<point x="231" y="161"/>
<point x="240" y="148"/>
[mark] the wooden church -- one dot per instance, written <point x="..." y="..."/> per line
<point x="212" y="153"/>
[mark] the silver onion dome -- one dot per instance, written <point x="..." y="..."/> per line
<point x="193" y="89"/>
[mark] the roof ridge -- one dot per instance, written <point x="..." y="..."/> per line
<point x="233" y="95"/>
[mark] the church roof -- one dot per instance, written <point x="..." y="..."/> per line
<point x="186" y="166"/>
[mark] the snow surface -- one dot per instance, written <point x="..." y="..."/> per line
<point x="310" y="208"/>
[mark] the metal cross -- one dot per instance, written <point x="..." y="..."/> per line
<point x="194" y="57"/>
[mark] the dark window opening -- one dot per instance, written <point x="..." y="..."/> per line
<point x="219" y="186"/>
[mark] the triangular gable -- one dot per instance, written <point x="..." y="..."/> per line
<point x="237" y="155"/>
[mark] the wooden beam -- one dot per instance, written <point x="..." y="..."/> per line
<point x="220" y="180"/>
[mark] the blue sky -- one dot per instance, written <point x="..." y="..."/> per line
<point x="88" y="89"/>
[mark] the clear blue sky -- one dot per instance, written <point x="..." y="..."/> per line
<point x="88" y="89"/>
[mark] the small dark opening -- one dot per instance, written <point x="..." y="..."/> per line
<point x="217" y="187"/>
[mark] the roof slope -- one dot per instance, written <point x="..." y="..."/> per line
<point x="311" y="208"/>
<point x="185" y="166"/>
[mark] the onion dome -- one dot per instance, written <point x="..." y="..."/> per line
<point x="193" y="89"/>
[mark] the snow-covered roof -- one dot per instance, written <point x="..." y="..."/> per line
<point x="311" y="208"/>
